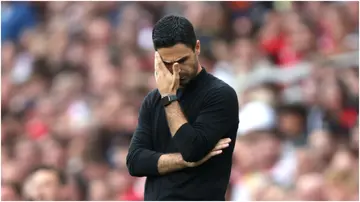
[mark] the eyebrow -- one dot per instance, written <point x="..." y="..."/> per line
<point x="177" y="60"/>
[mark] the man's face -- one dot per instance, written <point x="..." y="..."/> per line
<point x="185" y="56"/>
<point x="47" y="185"/>
<point x="269" y="147"/>
<point x="243" y="154"/>
<point x="290" y="124"/>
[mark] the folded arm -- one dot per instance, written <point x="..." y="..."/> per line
<point x="219" y="114"/>
<point x="142" y="160"/>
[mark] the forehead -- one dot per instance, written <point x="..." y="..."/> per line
<point x="175" y="52"/>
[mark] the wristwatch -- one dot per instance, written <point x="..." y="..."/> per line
<point x="168" y="99"/>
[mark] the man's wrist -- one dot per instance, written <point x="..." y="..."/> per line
<point x="182" y="162"/>
<point x="167" y="94"/>
<point x="167" y="100"/>
<point x="187" y="164"/>
<point x="190" y="164"/>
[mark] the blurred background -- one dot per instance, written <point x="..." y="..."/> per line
<point x="74" y="74"/>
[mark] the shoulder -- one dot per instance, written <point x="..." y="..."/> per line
<point x="219" y="93"/>
<point x="218" y="87"/>
<point x="151" y="98"/>
<point x="222" y="98"/>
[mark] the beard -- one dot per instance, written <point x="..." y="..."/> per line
<point x="191" y="75"/>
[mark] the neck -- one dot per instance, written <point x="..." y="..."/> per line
<point x="197" y="73"/>
<point x="199" y="68"/>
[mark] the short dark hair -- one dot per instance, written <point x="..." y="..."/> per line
<point x="297" y="109"/>
<point x="171" y="30"/>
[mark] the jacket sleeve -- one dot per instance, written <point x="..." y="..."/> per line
<point x="218" y="115"/>
<point x="141" y="159"/>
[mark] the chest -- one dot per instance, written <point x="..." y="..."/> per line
<point x="191" y="105"/>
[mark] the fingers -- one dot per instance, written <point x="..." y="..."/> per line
<point x="156" y="63"/>
<point x="157" y="59"/>
<point x="159" y="65"/>
<point x="156" y="74"/>
<point x="211" y="154"/>
<point x="224" y="141"/>
<point x="221" y="146"/>
<point x="176" y="69"/>
<point x="176" y="76"/>
<point x="214" y="153"/>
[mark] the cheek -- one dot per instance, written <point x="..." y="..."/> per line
<point x="184" y="69"/>
<point x="188" y="67"/>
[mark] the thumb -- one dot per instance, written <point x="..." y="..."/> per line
<point x="176" y="76"/>
<point x="176" y="68"/>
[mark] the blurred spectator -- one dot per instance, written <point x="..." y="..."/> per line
<point x="10" y="192"/>
<point x="291" y="123"/>
<point x="46" y="184"/>
<point x="322" y="143"/>
<point x="310" y="187"/>
<point x="74" y="75"/>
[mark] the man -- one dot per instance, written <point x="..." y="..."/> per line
<point x="292" y="123"/>
<point x="183" y="143"/>
<point x="45" y="183"/>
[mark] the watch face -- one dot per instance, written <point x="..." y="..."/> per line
<point x="165" y="100"/>
<point x="168" y="99"/>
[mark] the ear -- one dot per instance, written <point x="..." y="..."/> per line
<point x="197" y="48"/>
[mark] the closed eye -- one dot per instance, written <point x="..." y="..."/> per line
<point x="182" y="60"/>
<point x="167" y="63"/>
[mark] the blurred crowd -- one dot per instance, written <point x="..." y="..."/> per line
<point x="73" y="76"/>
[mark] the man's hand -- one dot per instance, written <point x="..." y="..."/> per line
<point x="222" y="144"/>
<point x="167" y="83"/>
